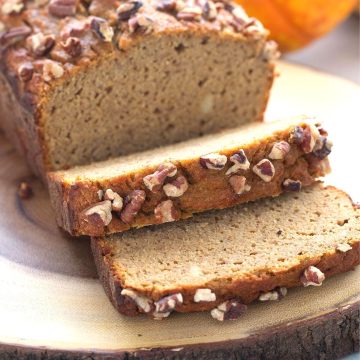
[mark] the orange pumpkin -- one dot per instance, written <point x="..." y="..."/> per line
<point x="295" y="23"/>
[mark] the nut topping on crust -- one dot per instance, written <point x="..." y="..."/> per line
<point x="177" y="187"/>
<point x="115" y="198"/>
<point x="190" y="13"/>
<point x="72" y="46"/>
<point x="213" y="161"/>
<point x="99" y="214"/>
<point x="102" y="29"/>
<point x="52" y="70"/>
<point x="154" y="181"/>
<point x="62" y="8"/>
<point x="14" y="35"/>
<point x="141" y="301"/>
<point x="126" y="10"/>
<point x="291" y="185"/>
<point x="312" y="276"/>
<point x="41" y="44"/>
<point x="229" y="310"/>
<point x="322" y="147"/>
<point x="133" y="204"/>
<point x="166" y="5"/>
<point x="305" y="137"/>
<point x="343" y="248"/>
<point x="240" y="162"/>
<point x="166" y="305"/>
<point x="204" y="295"/>
<point x="265" y="170"/>
<point x="279" y="150"/>
<point x="26" y="71"/>
<point x="274" y="295"/>
<point x="166" y="212"/>
<point x="238" y="183"/>
<point x="12" y="7"/>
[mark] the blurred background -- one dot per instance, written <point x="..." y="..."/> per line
<point x="323" y="34"/>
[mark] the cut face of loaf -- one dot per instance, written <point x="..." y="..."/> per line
<point x="111" y="80"/>
<point x="173" y="182"/>
<point x="223" y="260"/>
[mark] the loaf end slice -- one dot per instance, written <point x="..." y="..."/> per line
<point x="171" y="183"/>
<point x="233" y="256"/>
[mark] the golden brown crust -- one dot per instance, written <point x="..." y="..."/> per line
<point x="207" y="189"/>
<point x="248" y="289"/>
<point x="27" y="83"/>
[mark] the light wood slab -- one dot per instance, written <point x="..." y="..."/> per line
<point x="51" y="303"/>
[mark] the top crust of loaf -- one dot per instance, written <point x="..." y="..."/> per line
<point x="41" y="47"/>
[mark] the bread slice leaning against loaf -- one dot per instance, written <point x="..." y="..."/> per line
<point x="173" y="182"/>
<point x="222" y="260"/>
<point x="85" y="81"/>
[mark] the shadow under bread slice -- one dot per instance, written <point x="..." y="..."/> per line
<point x="173" y="182"/>
<point x="221" y="261"/>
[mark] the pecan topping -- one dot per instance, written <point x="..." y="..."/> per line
<point x="343" y="248"/>
<point x="155" y="181"/>
<point x="2" y="27"/>
<point x="312" y="276"/>
<point x="213" y="161"/>
<point x="99" y="214"/>
<point x="14" y="35"/>
<point x="26" y="71"/>
<point x="25" y="191"/>
<point x="238" y="183"/>
<point x="140" y="22"/>
<point x="72" y="46"/>
<point x="41" y="44"/>
<point x="141" y="301"/>
<point x="190" y="13"/>
<point x="209" y="10"/>
<point x="166" y="212"/>
<point x="10" y="7"/>
<point x="167" y="304"/>
<point x="166" y="5"/>
<point x="322" y="147"/>
<point x="265" y="170"/>
<point x="102" y="29"/>
<point x="177" y="187"/>
<point x="205" y="295"/>
<point x="305" y="138"/>
<point x="240" y="161"/>
<point x="52" y="70"/>
<point x="291" y="185"/>
<point x="229" y="310"/>
<point x="274" y="295"/>
<point x="62" y="8"/>
<point x="133" y="204"/>
<point x="126" y="10"/>
<point x="115" y="198"/>
<point x="279" y="150"/>
<point x="270" y="51"/>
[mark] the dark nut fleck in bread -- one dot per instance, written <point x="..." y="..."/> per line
<point x="225" y="259"/>
<point x="83" y="81"/>
<point x="212" y="172"/>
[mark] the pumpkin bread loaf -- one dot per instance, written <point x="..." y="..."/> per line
<point x="82" y="81"/>
<point x="173" y="182"/>
<point x="222" y="260"/>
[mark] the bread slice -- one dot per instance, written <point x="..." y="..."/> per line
<point x="173" y="182"/>
<point x="82" y="81"/>
<point x="225" y="259"/>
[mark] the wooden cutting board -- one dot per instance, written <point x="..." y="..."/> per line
<point x="52" y="304"/>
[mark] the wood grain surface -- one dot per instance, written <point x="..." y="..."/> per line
<point x="53" y="306"/>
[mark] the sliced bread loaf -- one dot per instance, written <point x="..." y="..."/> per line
<point x="173" y="182"/>
<point x="225" y="259"/>
<point x="83" y="81"/>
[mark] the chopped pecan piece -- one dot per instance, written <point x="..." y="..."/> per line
<point x="155" y="181"/>
<point x="279" y="150"/>
<point x="209" y="10"/>
<point x="240" y="161"/>
<point x="205" y="295"/>
<point x="166" y="305"/>
<point x="229" y="310"/>
<point x="102" y="29"/>
<point x="115" y="198"/>
<point x="26" y="71"/>
<point x="126" y="10"/>
<point x="166" y="5"/>
<point x="133" y="204"/>
<point x="274" y="295"/>
<point x="305" y="137"/>
<point x="14" y="35"/>
<point x="166" y="212"/>
<point x="177" y="187"/>
<point x="312" y="276"/>
<point x="52" y="70"/>
<point x="213" y="161"/>
<point x="190" y="13"/>
<point x="322" y="147"/>
<point x="141" y="301"/>
<point x="41" y="44"/>
<point x="265" y="170"/>
<point x="291" y="185"/>
<point x="10" y="7"/>
<point x="99" y="214"/>
<point x="72" y="46"/>
<point x="238" y="183"/>
<point x="62" y="8"/>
